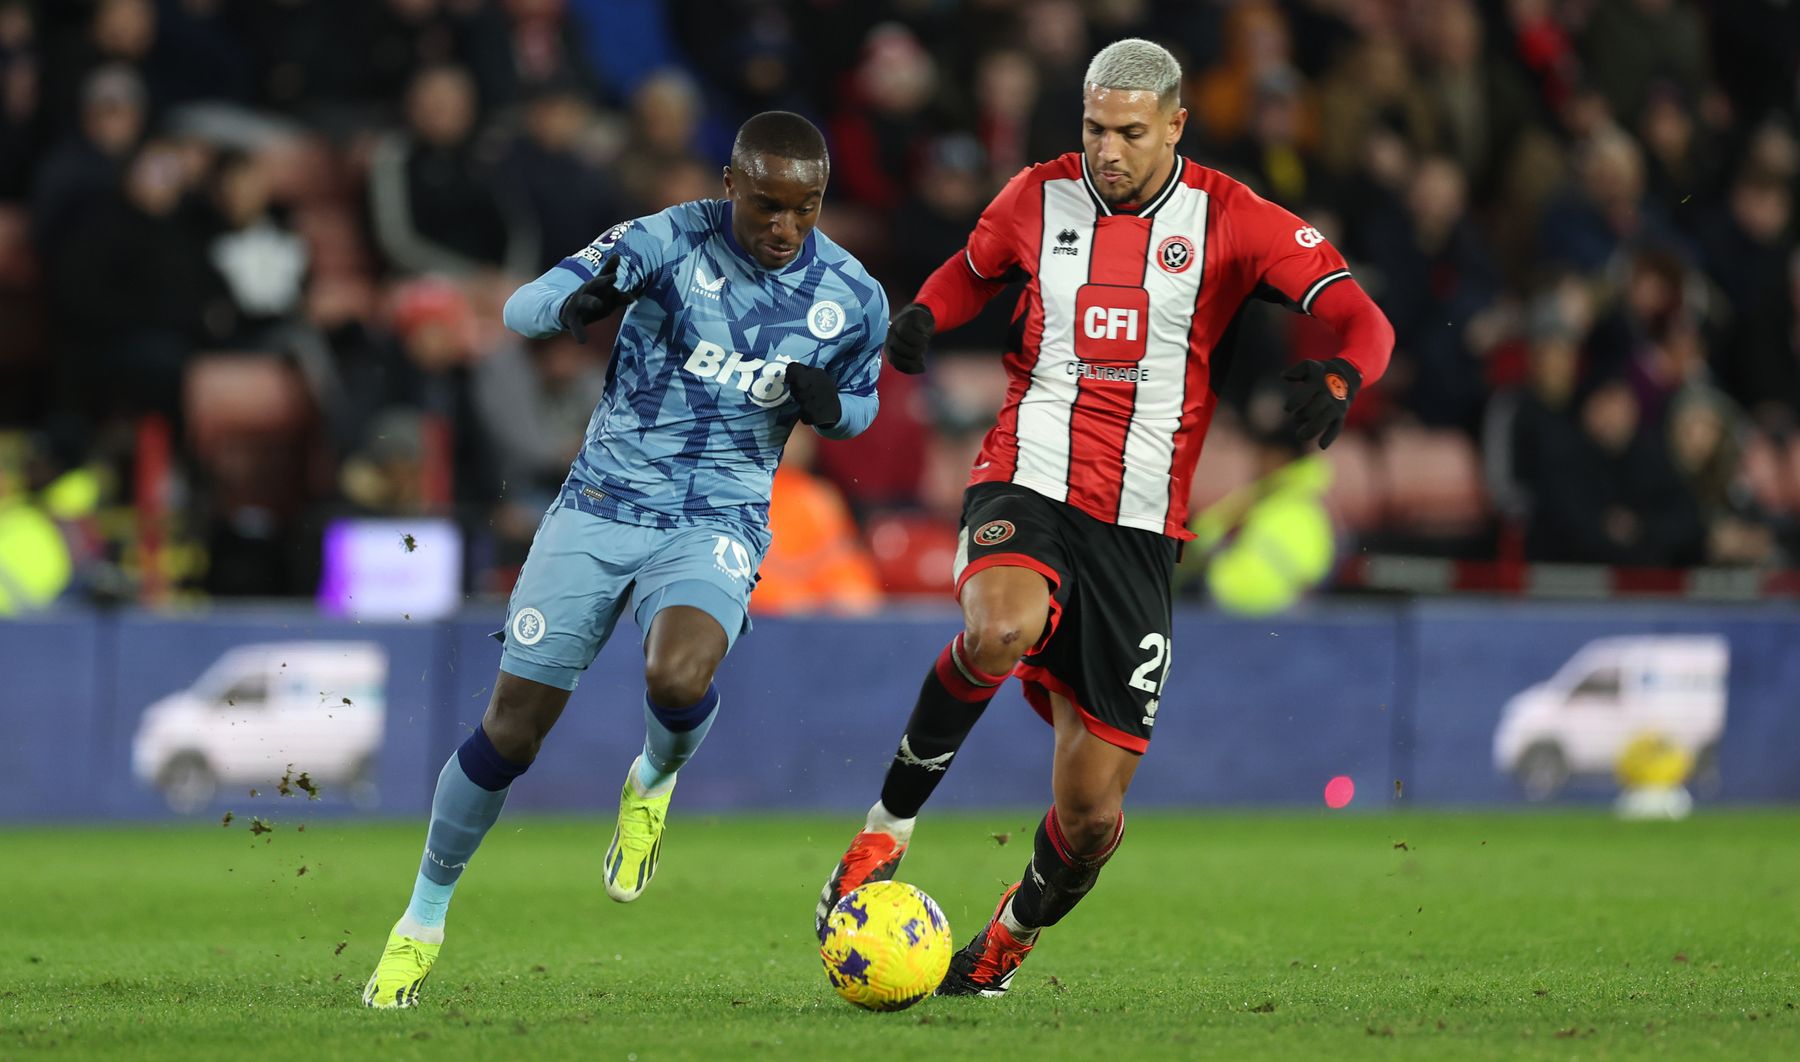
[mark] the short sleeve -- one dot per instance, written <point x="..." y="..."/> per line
<point x="993" y="248"/>
<point x="862" y="362"/>
<point x="642" y="246"/>
<point x="1286" y="253"/>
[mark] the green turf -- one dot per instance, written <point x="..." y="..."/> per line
<point x="1211" y="935"/>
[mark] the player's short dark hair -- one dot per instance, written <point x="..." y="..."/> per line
<point x="782" y="134"/>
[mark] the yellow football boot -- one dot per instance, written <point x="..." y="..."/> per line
<point x="637" y="840"/>
<point x="404" y="965"/>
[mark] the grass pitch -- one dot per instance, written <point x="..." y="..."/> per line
<point x="1215" y="935"/>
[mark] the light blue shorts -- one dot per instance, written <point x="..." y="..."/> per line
<point x="584" y="569"/>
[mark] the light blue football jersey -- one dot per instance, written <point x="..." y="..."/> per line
<point x="696" y="408"/>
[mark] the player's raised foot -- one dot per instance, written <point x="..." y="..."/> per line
<point x="873" y="855"/>
<point x="985" y="966"/>
<point x="636" y="845"/>
<point x="404" y="965"/>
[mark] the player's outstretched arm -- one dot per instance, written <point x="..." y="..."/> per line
<point x="952" y="295"/>
<point x="957" y="290"/>
<point x="532" y="311"/>
<point x="1320" y="390"/>
<point x="560" y="301"/>
<point x="910" y="336"/>
<point x="621" y="264"/>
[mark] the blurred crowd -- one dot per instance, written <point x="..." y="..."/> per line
<point x="252" y="253"/>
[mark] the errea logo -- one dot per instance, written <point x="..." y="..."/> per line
<point x="1307" y="236"/>
<point x="764" y="381"/>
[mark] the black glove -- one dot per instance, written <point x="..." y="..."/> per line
<point x="592" y="301"/>
<point x="817" y="394"/>
<point x="908" y="335"/>
<point x="1319" y="395"/>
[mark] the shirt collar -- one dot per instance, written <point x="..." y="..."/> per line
<point x="1145" y="209"/>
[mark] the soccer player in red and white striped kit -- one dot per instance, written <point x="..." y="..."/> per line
<point x="1137" y="261"/>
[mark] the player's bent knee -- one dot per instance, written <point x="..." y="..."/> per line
<point x="513" y="731"/>
<point x="1089" y="830"/>
<point x="995" y="646"/>
<point x="677" y="683"/>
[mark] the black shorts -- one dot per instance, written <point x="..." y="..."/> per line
<point x="1106" y="646"/>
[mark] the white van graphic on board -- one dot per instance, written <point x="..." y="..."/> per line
<point x="1612" y="691"/>
<point x="318" y="706"/>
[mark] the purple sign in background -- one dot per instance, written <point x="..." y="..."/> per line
<point x="1255" y="712"/>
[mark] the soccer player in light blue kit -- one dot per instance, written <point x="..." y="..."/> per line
<point x="743" y="321"/>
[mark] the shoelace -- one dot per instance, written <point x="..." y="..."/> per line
<point x="866" y="855"/>
<point x="644" y="824"/>
<point x="408" y="949"/>
<point x="993" y="962"/>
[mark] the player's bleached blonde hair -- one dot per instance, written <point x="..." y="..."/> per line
<point x="1137" y="65"/>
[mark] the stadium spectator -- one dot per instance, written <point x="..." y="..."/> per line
<point x="552" y="385"/>
<point x="527" y="43"/>
<point x="35" y="565"/>
<point x="682" y="181"/>
<point x="1257" y="46"/>
<point x="1746" y="251"/>
<point x="1604" y="490"/>
<point x="1524" y="421"/>
<point x="1260" y="548"/>
<point x="1436" y="275"/>
<point x="401" y="39"/>
<point x="571" y="197"/>
<point x="1681" y="161"/>
<point x="1479" y="106"/>
<point x="1766" y="368"/>
<point x="1602" y="212"/>
<point x="87" y="164"/>
<point x="1006" y="93"/>
<point x="1704" y="431"/>
<point x="158" y="308"/>
<point x="1638" y="152"/>
<point x="386" y="475"/>
<point x="939" y="209"/>
<point x="1543" y="47"/>
<point x="881" y="126"/>
<point x="22" y="124"/>
<point x="1371" y="89"/>
<point x="262" y="261"/>
<point x="438" y="205"/>
<point x="1056" y="38"/>
<point x="666" y="111"/>
<point x="118" y="33"/>
<point x="818" y="562"/>
<point x="746" y="52"/>
<point x="1273" y="155"/>
<point x="439" y="339"/>
<point x="1628" y="44"/>
<point x="1648" y="332"/>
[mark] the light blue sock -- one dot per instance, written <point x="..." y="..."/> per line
<point x="471" y="790"/>
<point x="671" y="736"/>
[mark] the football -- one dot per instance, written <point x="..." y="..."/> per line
<point x="886" y="946"/>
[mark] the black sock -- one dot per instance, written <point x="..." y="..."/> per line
<point x="954" y="695"/>
<point x="1058" y="877"/>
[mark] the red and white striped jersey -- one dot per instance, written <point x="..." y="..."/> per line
<point x="1109" y="392"/>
